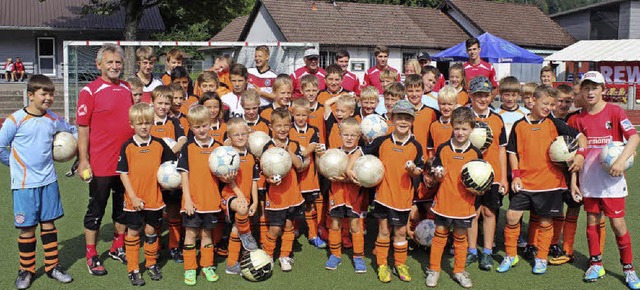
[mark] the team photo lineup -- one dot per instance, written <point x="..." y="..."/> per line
<point x="243" y="162"/>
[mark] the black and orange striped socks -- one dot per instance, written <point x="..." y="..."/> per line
<point x="50" y="245"/>
<point x="27" y="248"/>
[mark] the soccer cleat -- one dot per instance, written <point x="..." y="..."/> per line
<point x="403" y="272"/>
<point x="95" y="266"/>
<point x="631" y="278"/>
<point x="119" y="255"/>
<point x="59" y="274"/>
<point x="332" y="263"/>
<point x="233" y="270"/>
<point x="530" y="252"/>
<point x="286" y="264"/>
<point x="384" y="274"/>
<point x="432" y="278"/>
<point x="359" y="265"/>
<point x="318" y="242"/>
<point x="561" y="260"/>
<point x="522" y="242"/>
<point x="176" y="255"/>
<point x="154" y="273"/>
<point x="486" y="262"/>
<point x="24" y="279"/>
<point x="539" y="266"/>
<point x="190" y="277"/>
<point x="135" y="277"/>
<point x="594" y="273"/>
<point x="210" y="274"/>
<point x="463" y="279"/>
<point x="471" y="258"/>
<point x="555" y="251"/>
<point x="507" y="264"/>
<point x="248" y="242"/>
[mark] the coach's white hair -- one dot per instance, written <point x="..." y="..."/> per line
<point x="110" y="47"/>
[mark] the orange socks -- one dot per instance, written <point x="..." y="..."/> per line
<point x="175" y="228"/>
<point x="311" y="217"/>
<point x="189" y="254"/>
<point x="400" y="253"/>
<point x="269" y="243"/>
<point x="532" y="236"/>
<point x="132" y="250"/>
<point x="438" y="243"/>
<point x="358" y="244"/>
<point x="558" y="225"/>
<point x="569" y="234"/>
<point x="242" y="223"/>
<point x="287" y="242"/>
<point x="511" y="233"/>
<point x="50" y="244"/>
<point x="382" y="250"/>
<point x="335" y="243"/>
<point x="545" y="233"/>
<point x="264" y="228"/>
<point x="150" y="251"/>
<point x="603" y="233"/>
<point x="206" y="256"/>
<point x="460" y="245"/>
<point x="234" y="249"/>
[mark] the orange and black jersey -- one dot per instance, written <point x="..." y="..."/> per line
<point x="166" y="78"/>
<point x="325" y="95"/>
<point x="308" y="178"/>
<point x="169" y="127"/>
<point x="346" y="193"/>
<point x="218" y="131"/>
<point x="316" y="119"/>
<point x="530" y="141"/>
<point x="189" y="102"/>
<point x="261" y="124"/>
<point x="203" y="185"/>
<point x="492" y="153"/>
<point x="304" y="135"/>
<point x="333" y="132"/>
<point x="247" y="174"/>
<point x="463" y="97"/>
<point x="287" y="193"/>
<point x="390" y="126"/>
<point x="140" y="161"/>
<point x="184" y="122"/>
<point x="453" y="200"/>
<point x="439" y="132"/>
<point x="265" y="111"/>
<point x="396" y="189"/>
<point x="421" y="124"/>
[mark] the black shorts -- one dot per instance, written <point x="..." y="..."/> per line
<point x="394" y="217"/>
<point x="172" y="196"/>
<point x="457" y="223"/>
<point x="136" y="219"/>
<point x="200" y="220"/>
<point x="100" y="188"/>
<point x="343" y="212"/>
<point x="311" y="196"/>
<point x="491" y="200"/>
<point x="568" y="200"/>
<point x="544" y="204"/>
<point x="278" y="218"/>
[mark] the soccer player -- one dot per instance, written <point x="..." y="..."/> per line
<point x="261" y="77"/>
<point x="309" y="85"/>
<point x="429" y="76"/>
<point x="26" y="139"/>
<point x="440" y="131"/>
<point x="564" y="102"/>
<point x="369" y="100"/>
<point x="350" y="81"/>
<point x="372" y="76"/>
<point x="392" y="94"/>
<point x="250" y="101"/>
<point x="212" y="102"/>
<point x="146" y="60"/>
<point x="509" y="110"/>
<point x="538" y="184"/>
<point x="454" y="204"/>
<point x="136" y="89"/>
<point x="138" y="164"/>
<point x="179" y="75"/>
<point x="547" y="76"/>
<point x="527" y="95"/>
<point x="345" y="106"/>
<point x="207" y="82"/>
<point x="174" y="59"/>
<point x="424" y="115"/>
<point x="458" y="80"/>
<point x="333" y="80"/>
<point x="238" y="75"/>
<point x="311" y="67"/>
<point x="176" y="104"/>
<point x="282" y="96"/>
<point x="602" y="191"/>
<point x="402" y="157"/>
<point x="475" y="66"/>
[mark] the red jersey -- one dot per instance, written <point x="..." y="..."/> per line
<point x="482" y="69"/>
<point x="203" y="185"/>
<point x="346" y="193"/>
<point x="350" y="82"/>
<point x="321" y="74"/>
<point x="439" y="84"/>
<point x="287" y="193"/>
<point x="104" y="107"/>
<point x="372" y="78"/>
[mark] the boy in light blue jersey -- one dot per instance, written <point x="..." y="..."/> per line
<point x="510" y="111"/>
<point x="26" y="146"/>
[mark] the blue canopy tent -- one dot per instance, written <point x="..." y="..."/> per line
<point x="493" y="49"/>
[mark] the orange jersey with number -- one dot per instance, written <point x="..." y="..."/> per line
<point x="308" y="178"/>
<point x="203" y="185"/>
<point x="287" y="193"/>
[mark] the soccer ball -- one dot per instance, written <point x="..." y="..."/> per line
<point x="168" y="176"/>
<point x="424" y="232"/>
<point x="562" y="150"/>
<point x="481" y="137"/>
<point x="477" y="176"/>
<point x="256" y="266"/>
<point x="275" y="161"/>
<point x="333" y="163"/>
<point x="256" y="141"/>
<point x="373" y="126"/>
<point x="610" y="153"/>
<point x="65" y="146"/>
<point x="369" y="170"/>
<point x="223" y="160"/>
<point x="170" y="142"/>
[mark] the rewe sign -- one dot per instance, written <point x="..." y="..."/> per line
<point x="621" y="72"/>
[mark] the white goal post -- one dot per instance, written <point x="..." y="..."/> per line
<point x="80" y="69"/>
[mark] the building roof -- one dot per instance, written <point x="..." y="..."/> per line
<point x="522" y="24"/>
<point x="65" y="15"/>
<point x="587" y="7"/>
<point x="360" y="24"/>
<point x="231" y="32"/>
<point x="599" y="50"/>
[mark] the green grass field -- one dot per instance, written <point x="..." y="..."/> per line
<point x="308" y="271"/>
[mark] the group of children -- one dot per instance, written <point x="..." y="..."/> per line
<point x="423" y="152"/>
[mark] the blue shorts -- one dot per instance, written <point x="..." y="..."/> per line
<point x="32" y="206"/>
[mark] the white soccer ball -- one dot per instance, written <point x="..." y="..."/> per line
<point x="275" y="161"/>
<point x="481" y="137"/>
<point x="256" y="266"/>
<point x="65" y="146"/>
<point x="562" y="150"/>
<point x="477" y="176"/>
<point x="369" y="170"/>
<point x="256" y="141"/>
<point x="333" y="163"/>
<point x="424" y="232"/>
<point x="169" y="141"/>
<point x="373" y="126"/>
<point x="610" y="153"/>
<point x="223" y="160"/>
<point x="168" y="176"/>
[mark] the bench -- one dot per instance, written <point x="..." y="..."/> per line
<point x="29" y="69"/>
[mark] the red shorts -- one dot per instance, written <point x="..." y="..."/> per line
<point x="612" y="207"/>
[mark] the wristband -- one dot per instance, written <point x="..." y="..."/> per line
<point x="582" y="151"/>
<point x="515" y="173"/>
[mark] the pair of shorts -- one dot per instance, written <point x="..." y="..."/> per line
<point x="447" y="222"/>
<point x="311" y="196"/>
<point x="394" y="217"/>
<point x="568" y="200"/>
<point x="544" y="204"/>
<point x="199" y="220"/>
<point x="172" y="196"/>
<point x="278" y="218"/>
<point x="32" y="206"/>
<point x="611" y="207"/>
<point x="491" y="200"/>
<point x="343" y="211"/>
<point x="136" y="219"/>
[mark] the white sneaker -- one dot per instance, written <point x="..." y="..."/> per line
<point x="432" y="278"/>
<point x="463" y="278"/>
<point x="286" y="263"/>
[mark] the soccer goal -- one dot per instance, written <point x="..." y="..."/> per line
<point x="80" y="66"/>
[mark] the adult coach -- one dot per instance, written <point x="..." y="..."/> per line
<point x="475" y="66"/>
<point x="372" y="76"/>
<point x="350" y="81"/>
<point x="103" y="121"/>
<point x="311" y="67"/>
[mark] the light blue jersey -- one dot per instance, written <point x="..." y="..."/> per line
<point x="26" y="146"/>
<point x="509" y="117"/>
<point x="431" y="100"/>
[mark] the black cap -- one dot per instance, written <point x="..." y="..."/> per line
<point x="423" y="55"/>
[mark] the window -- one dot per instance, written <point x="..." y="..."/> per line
<point x="47" y="55"/>
<point x="327" y="58"/>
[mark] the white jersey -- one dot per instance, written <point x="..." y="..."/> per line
<point x="263" y="80"/>
<point x="233" y="102"/>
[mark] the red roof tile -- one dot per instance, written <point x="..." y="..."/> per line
<point x="232" y="31"/>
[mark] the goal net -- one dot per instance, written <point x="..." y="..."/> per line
<point x="80" y="66"/>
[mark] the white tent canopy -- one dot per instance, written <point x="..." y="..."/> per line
<point x="599" y="50"/>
